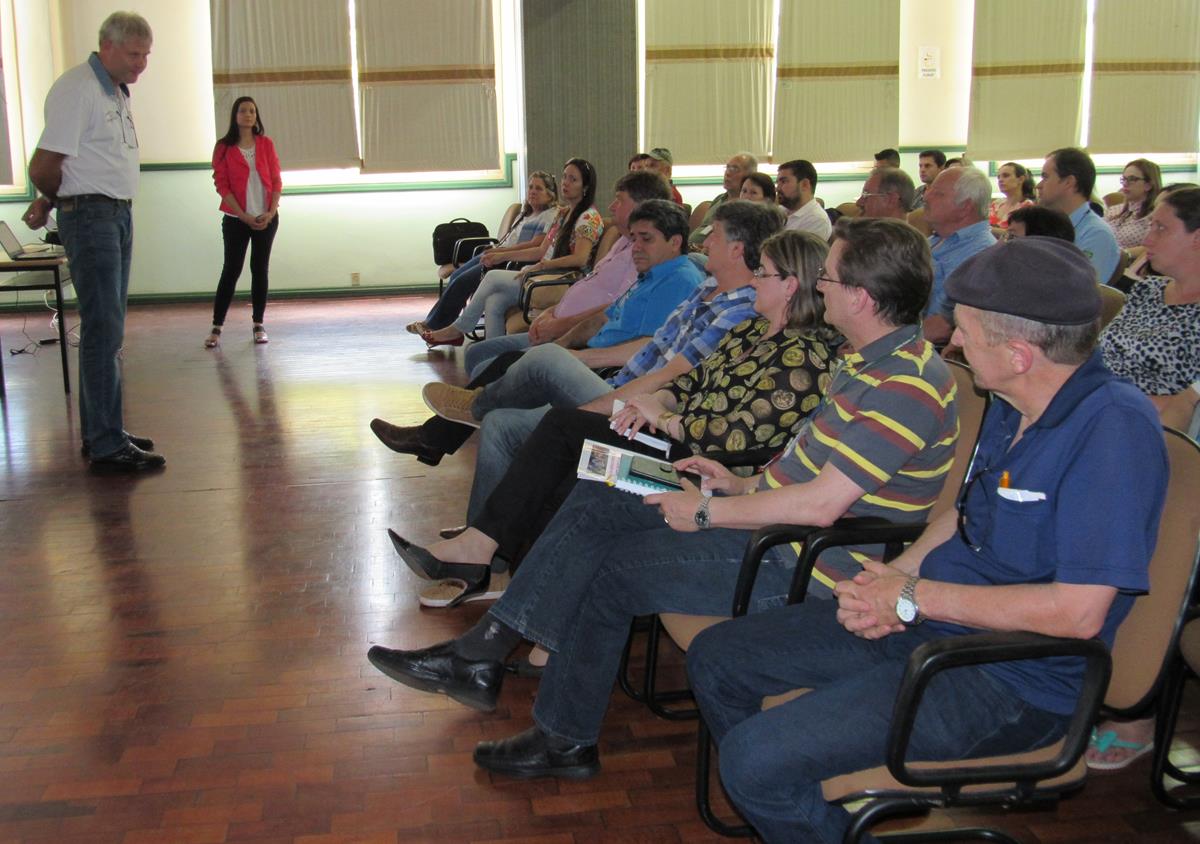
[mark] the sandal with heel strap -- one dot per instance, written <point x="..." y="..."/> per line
<point x="214" y="338"/>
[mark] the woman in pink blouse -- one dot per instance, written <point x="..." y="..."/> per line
<point x="246" y="173"/>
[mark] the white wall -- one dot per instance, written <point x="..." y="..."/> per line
<point x="322" y="238"/>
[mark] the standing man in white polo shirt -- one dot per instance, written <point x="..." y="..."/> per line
<point x="86" y="166"/>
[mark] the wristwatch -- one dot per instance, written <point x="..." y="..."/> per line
<point x="906" y="605"/>
<point x="702" y="520"/>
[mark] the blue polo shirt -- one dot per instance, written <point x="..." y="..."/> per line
<point x="1097" y="241"/>
<point x="1086" y="487"/>
<point x="645" y="306"/>
<point x="948" y="253"/>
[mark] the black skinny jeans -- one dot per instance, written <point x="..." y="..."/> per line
<point x="238" y="236"/>
<point x="543" y="473"/>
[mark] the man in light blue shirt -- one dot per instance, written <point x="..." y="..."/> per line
<point x="956" y="208"/>
<point x="1068" y="177"/>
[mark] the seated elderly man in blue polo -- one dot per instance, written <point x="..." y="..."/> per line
<point x="1059" y="518"/>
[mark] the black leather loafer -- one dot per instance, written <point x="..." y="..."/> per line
<point x="424" y="564"/>
<point x="144" y="443"/>
<point x="406" y="441"/>
<point x="128" y="459"/>
<point x="533" y="753"/>
<point x="473" y="683"/>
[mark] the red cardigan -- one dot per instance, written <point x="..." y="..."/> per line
<point x="230" y="171"/>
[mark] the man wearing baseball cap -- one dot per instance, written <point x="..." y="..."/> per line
<point x="662" y="162"/>
<point x="1055" y="527"/>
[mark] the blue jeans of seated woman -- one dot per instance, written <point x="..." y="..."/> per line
<point x="98" y="239"/>
<point x="604" y="559"/>
<point x="772" y="762"/>
<point x="462" y="283"/>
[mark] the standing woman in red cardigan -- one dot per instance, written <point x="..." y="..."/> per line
<point x="246" y="173"/>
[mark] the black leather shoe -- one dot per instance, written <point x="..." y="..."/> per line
<point x="144" y="443"/>
<point x="473" y="683"/>
<point x="533" y="753"/>
<point x="406" y="441"/>
<point x="128" y="459"/>
<point x="424" y="564"/>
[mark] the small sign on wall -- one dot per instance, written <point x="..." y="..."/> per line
<point x="929" y="63"/>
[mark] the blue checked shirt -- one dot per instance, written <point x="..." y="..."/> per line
<point x="693" y="330"/>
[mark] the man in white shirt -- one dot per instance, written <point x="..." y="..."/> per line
<point x="86" y="165"/>
<point x="795" y="184"/>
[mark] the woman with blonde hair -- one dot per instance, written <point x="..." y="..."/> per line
<point x="528" y="231"/>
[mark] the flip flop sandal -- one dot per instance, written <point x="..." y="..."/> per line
<point x="1106" y="741"/>
<point x="453" y="591"/>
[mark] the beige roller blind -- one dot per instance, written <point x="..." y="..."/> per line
<point x="1145" y="76"/>
<point x="708" y="77"/>
<point x="427" y="80"/>
<point x="1027" y="77"/>
<point x="838" y="91"/>
<point x="293" y="58"/>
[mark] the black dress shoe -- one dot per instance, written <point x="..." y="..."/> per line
<point x="128" y="459"/>
<point x="406" y="441"/>
<point x="424" y="564"/>
<point x="472" y="682"/>
<point x="144" y="443"/>
<point x="533" y="753"/>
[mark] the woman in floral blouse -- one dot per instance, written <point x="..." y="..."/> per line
<point x="1140" y="183"/>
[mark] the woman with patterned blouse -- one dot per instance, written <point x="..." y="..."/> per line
<point x="1155" y="343"/>
<point x="1141" y="182"/>
<point x="754" y="391"/>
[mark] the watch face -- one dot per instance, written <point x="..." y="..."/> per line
<point x="906" y="610"/>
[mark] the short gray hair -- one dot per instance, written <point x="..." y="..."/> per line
<point x="894" y="180"/>
<point x="1069" y="345"/>
<point x="974" y="187"/>
<point x="750" y="162"/>
<point x="121" y="26"/>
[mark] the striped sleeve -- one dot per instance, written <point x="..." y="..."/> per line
<point x="883" y="429"/>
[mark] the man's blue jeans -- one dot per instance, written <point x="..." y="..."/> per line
<point x="479" y="355"/>
<point x="98" y="239"/>
<point x="773" y="762"/>
<point x="606" y="558"/>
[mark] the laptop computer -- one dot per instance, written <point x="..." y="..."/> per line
<point x="33" y="252"/>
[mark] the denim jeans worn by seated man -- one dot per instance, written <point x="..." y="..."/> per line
<point x="98" y="238"/>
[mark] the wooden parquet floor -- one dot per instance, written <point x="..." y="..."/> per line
<point x="182" y="655"/>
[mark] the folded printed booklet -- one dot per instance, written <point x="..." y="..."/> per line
<point x="626" y="470"/>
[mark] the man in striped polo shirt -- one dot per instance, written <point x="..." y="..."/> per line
<point x="880" y="444"/>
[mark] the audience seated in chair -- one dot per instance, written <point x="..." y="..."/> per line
<point x="551" y="375"/>
<point x="736" y="170"/>
<point x="608" y="556"/>
<point x="569" y="245"/>
<point x="1068" y="177"/>
<point x="526" y="233"/>
<point x="753" y="392"/>
<point x="1040" y="221"/>
<point x="888" y="192"/>
<point x="887" y="158"/>
<point x="1141" y="183"/>
<point x="956" y="207"/>
<point x="1016" y="186"/>
<point x="795" y="183"/>
<point x="1041" y="544"/>
<point x="930" y="162"/>
<point x="758" y="187"/>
